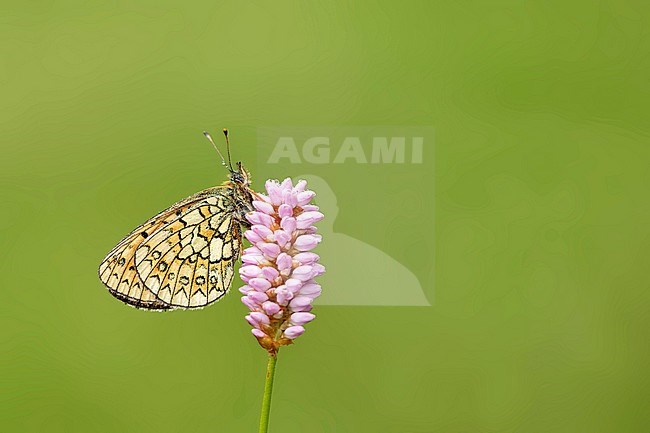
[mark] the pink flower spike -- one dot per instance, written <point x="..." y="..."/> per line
<point x="279" y="270"/>
<point x="293" y="332"/>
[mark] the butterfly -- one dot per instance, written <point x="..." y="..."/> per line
<point x="184" y="256"/>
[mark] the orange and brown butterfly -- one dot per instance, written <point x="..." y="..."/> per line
<point x="183" y="257"/>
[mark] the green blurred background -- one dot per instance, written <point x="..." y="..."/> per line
<point x="538" y="221"/>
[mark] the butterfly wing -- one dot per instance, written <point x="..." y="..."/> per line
<point x="189" y="263"/>
<point x="182" y="257"/>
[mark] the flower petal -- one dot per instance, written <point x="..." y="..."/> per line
<point x="284" y="262"/>
<point x="274" y="191"/>
<point x="306" y="258"/>
<point x="270" y="308"/>
<point x="306" y="219"/>
<point x="259" y="284"/>
<point x="302" y="273"/>
<point x="286" y="184"/>
<point x="250" y="271"/>
<point x="285" y="211"/>
<point x="258" y="333"/>
<point x="288" y="224"/>
<point x="252" y="237"/>
<point x="263" y="206"/>
<point x="250" y="303"/>
<point x="262" y="231"/>
<point x="258" y="297"/>
<point x="269" y="249"/>
<point x="300" y="302"/>
<point x="305" y="197"/>
<point x="301" y="318"/>
<point x="293" y="332"/>
<point x="260" y="317"/>
<point x="289" y="198"/>
<point x="311" y="289"/>
<point x="259" y="218"/>
<point x="281" y="238"/>
<point x="306" y="242"/>
<point x="300" y="185"/>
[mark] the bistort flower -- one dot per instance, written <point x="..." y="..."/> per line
<point x="279" y="269"/>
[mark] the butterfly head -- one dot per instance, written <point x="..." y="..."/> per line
<point x="240" y="175"/>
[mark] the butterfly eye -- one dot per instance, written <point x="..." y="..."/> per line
<point x="237" y="177"/>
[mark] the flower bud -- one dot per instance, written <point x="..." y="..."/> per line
<point x="294" y="331"/>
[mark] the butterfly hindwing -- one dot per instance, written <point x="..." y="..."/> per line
<point x="171" y="260"/>
<point x="189" y="262"/>
<point x="118" y="271"/>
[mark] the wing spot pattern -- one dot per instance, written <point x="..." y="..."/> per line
<point x="216" y="246"/>
<point x="171" y="257"/>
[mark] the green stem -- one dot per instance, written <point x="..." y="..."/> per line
<point x="268" y="390"/>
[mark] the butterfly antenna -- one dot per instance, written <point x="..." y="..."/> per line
<point x="225" y="133"/>
<point x="209" y="137"/>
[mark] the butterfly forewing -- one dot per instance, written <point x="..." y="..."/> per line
<point x="182" y="257"/>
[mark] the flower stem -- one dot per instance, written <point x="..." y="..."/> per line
<point x="268" y="390"/>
